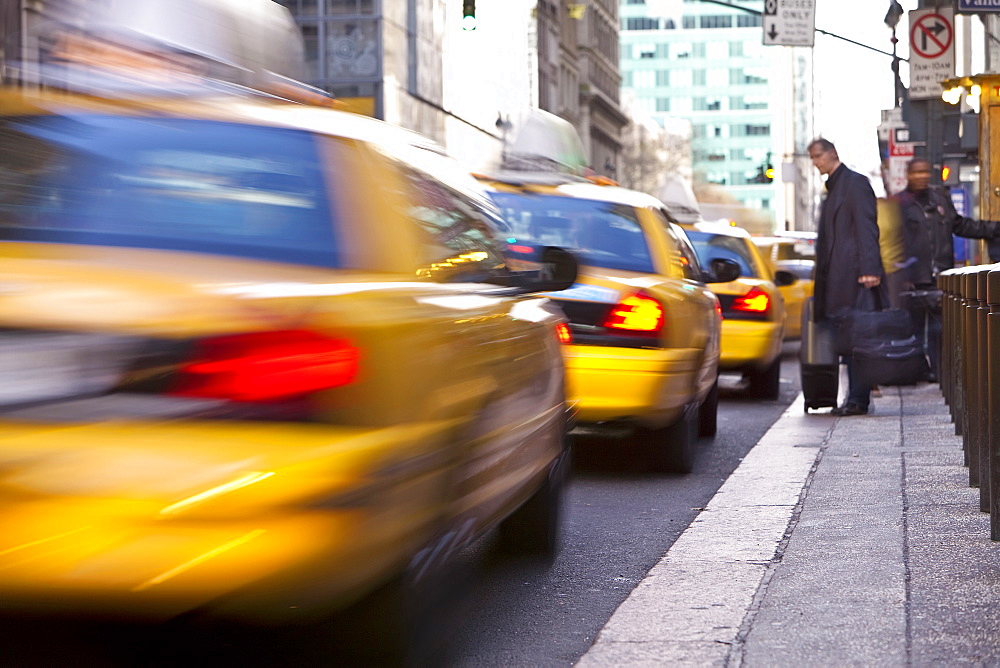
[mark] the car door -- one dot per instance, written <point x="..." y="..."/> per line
<point x="516" y="432"/>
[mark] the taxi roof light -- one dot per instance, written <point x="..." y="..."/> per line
<point x="636" y="313"/>
<point x="267" y="366"/>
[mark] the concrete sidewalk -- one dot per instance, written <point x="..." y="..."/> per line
<point x="838" y="541"/>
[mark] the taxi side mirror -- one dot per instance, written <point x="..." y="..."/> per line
<point x="783" y="278"/>
<point x="722" y="270"/>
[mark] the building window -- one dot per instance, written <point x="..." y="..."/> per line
<point x="641" y="23"/>
<point x="748" y="21"/>
<point x="716" y="21"/>
<point x="698" y="77"/>
<point x="717" y="77"/>
<point x="689" y="22"/>
<point x="643" y="78"/>
<point x="735" y="49"/>
<point x="757" y="130"/>
<point x="663" y="104"/>
<point x="662" y="77"/>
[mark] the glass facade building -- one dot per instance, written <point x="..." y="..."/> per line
<point x="706" y="63"/>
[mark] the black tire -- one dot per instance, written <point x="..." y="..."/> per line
<point x="708" y="413"/>
<point x="671" y="449"/>
<point x="535" y="527"/>
<point x="766" y="383"/>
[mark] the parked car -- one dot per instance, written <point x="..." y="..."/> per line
<point x="753" y="309"/>
<point x="644" y="327"/>
<point x="258" y="360"/>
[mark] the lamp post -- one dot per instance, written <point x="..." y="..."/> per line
<point x="892" y="20"/>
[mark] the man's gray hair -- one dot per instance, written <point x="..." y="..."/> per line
<point x="824" y="144"/>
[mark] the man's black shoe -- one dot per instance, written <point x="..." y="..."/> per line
<point x="849" y="409"/>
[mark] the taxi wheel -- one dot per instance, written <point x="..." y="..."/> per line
<point x="708" y="414"/>
<point x="672" y="448"/>
<point x="534" y="528"/>
<point x="766" y="383"/>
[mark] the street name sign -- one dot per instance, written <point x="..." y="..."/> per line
<point x="789" y="22"/>
<point x="932" y="51"/>
<point x="973" y="6"/>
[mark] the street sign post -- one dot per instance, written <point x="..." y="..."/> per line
<point x="978" y="6"/>
<point x="789" y="22"/>
<point x="932" y="51"/>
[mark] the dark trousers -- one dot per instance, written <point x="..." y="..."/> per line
<point x="858" y="393"/>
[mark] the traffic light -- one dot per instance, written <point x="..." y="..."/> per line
<point x="468" y="14"/>
<point x="769" y="173"/>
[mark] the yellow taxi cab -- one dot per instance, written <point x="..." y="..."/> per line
<point x="257" y="360"/>
<point x="796" y="256"/>
<point x="753" y="309"/>
<point x="644" y="329"/>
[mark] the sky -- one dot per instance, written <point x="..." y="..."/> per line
<point x="854" y="84"/>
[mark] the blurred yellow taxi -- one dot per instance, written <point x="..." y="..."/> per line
<point x="644" y="329"/>
<point x="797" y="257"/>
<point x="753" y="309"/>
<point x="256" y="360"/>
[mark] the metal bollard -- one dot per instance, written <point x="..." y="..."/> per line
<point x="970" y="427"/>
<point x="993" y="395"/>
<point x="980" y="413"/>
<point x="957" y="341"/>
<point x="947" y="350"/>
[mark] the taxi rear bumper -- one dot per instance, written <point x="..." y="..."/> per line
<point x="648" y="387"/>
<point x="749" y="345"/>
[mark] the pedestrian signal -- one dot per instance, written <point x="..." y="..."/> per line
<point x="468" y="14"/>
<point x="949" y="171"/>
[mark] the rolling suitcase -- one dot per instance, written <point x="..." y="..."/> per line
<point x="819" y="363"/>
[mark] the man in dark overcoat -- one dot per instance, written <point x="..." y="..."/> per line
<point x="847" y="252"/>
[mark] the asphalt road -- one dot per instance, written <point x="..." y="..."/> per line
<point x="620" y="520"/>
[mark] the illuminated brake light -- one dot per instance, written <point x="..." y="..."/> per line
<point x="563" y="333"/>
<point x="267" y="366"/>
<point x="637" y="313"/>
<point x="755" y="301"/>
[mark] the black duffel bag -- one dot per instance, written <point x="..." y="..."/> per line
<point x="884" y="343"/>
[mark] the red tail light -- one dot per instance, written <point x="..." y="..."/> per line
<point x="563" y="333"/>
<point x="267" y="366"/>
<point x="636" y="313"/>
<point x="755" y="301"/>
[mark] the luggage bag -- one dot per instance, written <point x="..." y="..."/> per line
<point x="819" y="363"/>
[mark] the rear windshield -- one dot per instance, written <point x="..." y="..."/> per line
<point x="710" y="246"/>
<point x="602" y="234"/>
<point x="171" y="184"/>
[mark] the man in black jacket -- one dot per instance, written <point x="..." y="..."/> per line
<point x="929" y="221"/>
<point x="847" y="252"/>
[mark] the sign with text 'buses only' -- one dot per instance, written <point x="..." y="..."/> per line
<point x="932" y="51"/>
<point x="789" y="22"/>
<point x="972" y="6"/>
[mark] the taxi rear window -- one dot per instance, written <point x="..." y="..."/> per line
<point x="710" y="246"/>
<point x="602" y="234"/>
<point x="166" y="183"/>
